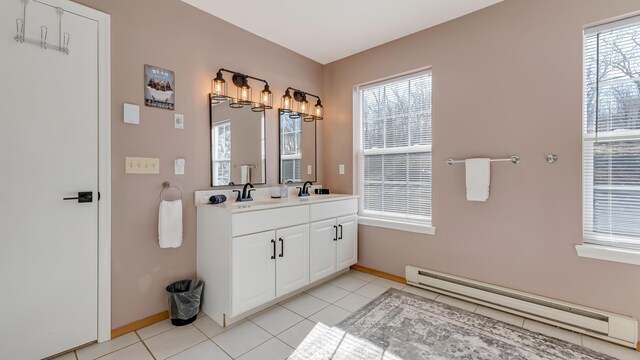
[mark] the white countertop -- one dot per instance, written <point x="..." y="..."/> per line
<point x="261" y="202"/>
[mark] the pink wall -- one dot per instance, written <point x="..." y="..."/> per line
<point x="176" y="36"/>
<point x="506" y="80"/>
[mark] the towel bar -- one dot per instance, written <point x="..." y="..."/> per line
<point x="514" y="159"/>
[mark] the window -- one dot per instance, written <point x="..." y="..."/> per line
<point x="611" y="135"/>
<point x="395" y="150"/>
<point x="291" y="150"/>
<point x="222" y="153"/>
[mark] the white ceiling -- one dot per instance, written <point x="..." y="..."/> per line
<point x="328" y="30"/>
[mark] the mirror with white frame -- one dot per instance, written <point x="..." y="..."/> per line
<point x="297" y="149"/>
<point x="237" y="145"/>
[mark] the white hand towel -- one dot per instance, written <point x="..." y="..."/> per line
<point x="170" y="224"/>
<point x="478" y="173"/>
<point x="245" y="173"/>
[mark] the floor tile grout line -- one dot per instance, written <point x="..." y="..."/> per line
<point x="154" y="335"/>
<point x="145" y="344"/>
<point x="330" y="303"/>
<point x="249" y="349"/>
<point x="190" y="347"/>
<point x="103" y="355"/>
<point x="202" y="332"/>
<point x="149" y="350"/>
<point x="303" y="319"/>
<point x="130" y="345"/>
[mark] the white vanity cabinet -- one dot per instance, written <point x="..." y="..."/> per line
<point x="250" y="255"/>
<point x="253" y="270"/>
<point x="267" y="265"/>
<point x="333" y="238"/>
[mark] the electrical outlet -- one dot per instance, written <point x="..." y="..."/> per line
<point x="137" y="165"/>
<point x="341" y="169"/>
<point x="309" y="170"/>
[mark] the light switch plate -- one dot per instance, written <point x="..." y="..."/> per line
<point x="309" y="170"/>
<point x="131" y="114"/>
<point x="178" y="121"/>
<point x="341" y="169"/>
<point x="179" y="166"/>
<point x="138" y="165"/>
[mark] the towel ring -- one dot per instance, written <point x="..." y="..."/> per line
<point x="166" y="185"/>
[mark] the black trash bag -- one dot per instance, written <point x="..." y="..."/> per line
<point x="184" y="301"/>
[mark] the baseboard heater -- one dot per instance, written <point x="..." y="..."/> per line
<point x="611" y="327"/>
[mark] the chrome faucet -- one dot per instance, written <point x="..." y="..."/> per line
<point x="304" y="190"/>
<point x="245" y="195"/>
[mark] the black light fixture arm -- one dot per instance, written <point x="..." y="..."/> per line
<point x="234" y="73"/>
<point x="303" y="93"/>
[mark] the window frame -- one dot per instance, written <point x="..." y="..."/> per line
<point x="295" y="156"/>
<point x="215" y="160"/>
<point x="616" y="248"/>
<point x="373" y="218"/>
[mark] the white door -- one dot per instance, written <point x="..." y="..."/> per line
<point x="322" y="253"/>
<point x="347" y="244"/>
<point x="253" y="270"/>
<point x="292" y="266"/>
<point x="49" y="147"/>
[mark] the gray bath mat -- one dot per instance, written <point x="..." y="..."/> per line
<point x="402" y="326"/>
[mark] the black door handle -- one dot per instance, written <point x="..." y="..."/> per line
<point x="83" y="197"/>
<point x="335" y="238"/>
<point x="340" y="238"/>
<point x="273" y="242"/>
<point x="281" y="247"/>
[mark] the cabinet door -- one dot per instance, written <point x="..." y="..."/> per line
<point x="347" y="244"/>
<point x="292" y="264"/>
<point x="253" y="271"/>
<point x="322" y="253"/>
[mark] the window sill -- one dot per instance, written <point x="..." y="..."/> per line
<point x="625" y="256"/>
<point x="397" y="225"/>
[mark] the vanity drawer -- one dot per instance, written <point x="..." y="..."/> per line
<point x="333" y="209"/>
<point x="261" y="220"/>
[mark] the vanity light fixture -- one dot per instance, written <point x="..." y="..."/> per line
<point x="287" y="101"/>
<point x="301" y="108"/>
<point x="218" y="88"/>
<point x="244" y="92"/>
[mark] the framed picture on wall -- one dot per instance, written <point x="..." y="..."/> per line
<point x="159" y="87"/>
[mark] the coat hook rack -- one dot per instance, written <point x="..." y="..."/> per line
<point x="21" y="24"/>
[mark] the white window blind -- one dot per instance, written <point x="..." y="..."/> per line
<point x="222" y="153"/>
<point x="611" y="135"/>
<point x="395" y="148"/>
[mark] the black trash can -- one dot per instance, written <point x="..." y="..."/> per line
<point x="184" y="301"/>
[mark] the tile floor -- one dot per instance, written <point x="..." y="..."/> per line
<point x="275" y="332"/>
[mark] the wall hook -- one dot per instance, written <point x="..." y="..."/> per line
<point x="552" y="158"/>
<point x="19" y="30"/>
<point x="44" y="31"/>
<point x="65" y="43"/>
